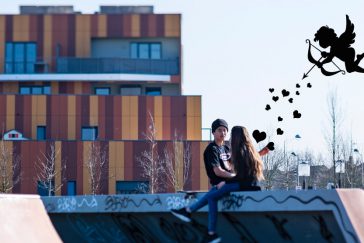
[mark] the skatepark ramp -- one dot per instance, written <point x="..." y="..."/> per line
<point x="23" y="218"/>
<point x="266" y="216"/>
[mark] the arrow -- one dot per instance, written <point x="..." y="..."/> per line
<point x="305" y="75"/>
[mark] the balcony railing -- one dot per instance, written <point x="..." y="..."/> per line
<point x="117" y="65"/>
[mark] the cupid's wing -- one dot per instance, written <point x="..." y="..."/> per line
<point x="348" y="37"/>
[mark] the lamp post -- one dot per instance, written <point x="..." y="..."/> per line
<point x="304" y="170"/>
<point x="340" y="168"/>
<point x="361" y="161"/>
<point x="297" y="137"/>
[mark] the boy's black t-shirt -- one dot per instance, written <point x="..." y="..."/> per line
<point x="215" y="155"/>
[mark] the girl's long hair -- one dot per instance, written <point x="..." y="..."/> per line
<point x="243" y="151"/>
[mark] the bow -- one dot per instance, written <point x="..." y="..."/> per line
<point x="315" y="62"/>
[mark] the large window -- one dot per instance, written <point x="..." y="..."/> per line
<point x="145" y="50"/>
<point x="89" y="133"/>
<point x="20" y="57"/>
<point x="132" y="187"/>
<point x="35" y="90"/>
<point x="102" y="91"/>
<point x="43" y="188"/>
<point x="153" y="91"/>
<point x="41" y="133"/>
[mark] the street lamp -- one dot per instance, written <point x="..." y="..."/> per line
<point x="361" y="160"/>
<point x="340" y="168"/>
<point x="297" y="137"/>
<point x="304" y="170"/>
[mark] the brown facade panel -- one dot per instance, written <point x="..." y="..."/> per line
<point x="2" y="46"/>
<point x="80" y="166"/>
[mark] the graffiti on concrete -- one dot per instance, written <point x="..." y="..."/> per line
<point x="114" y="203"/>
<point x="232" y="202"/>
<point x="315" y="198"/>
<point x="175" y="202"/>
<point x="134" y="229"/>
<point x="245" y="235"/>
<point x="279" y="225"/>
<point x="95" y="230"/>
<point x="69" y="204"/>
<point x="324" y="230"/>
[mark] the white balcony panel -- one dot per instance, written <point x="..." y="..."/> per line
<point x="85" y="77"/>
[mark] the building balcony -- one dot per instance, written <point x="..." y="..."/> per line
<point x="71" y="65"/>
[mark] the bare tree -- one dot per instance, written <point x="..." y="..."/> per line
<point x="96" y="166"/>
<point x="273" y="163"/>
<point x="9" y="164"/>
<point x="47" y="171"/>
<point x="152" y="168"/>
<point x="177" y="163"/>
<point x="333" y="136"/>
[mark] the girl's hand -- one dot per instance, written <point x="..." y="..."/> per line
<point x="218" y="186"/>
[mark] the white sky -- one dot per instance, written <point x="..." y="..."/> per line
<point x="234" y="51"/>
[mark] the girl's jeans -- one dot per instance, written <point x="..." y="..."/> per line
<point x="211" y="198"/>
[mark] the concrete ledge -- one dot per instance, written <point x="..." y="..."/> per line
<point x="267" y="216"/>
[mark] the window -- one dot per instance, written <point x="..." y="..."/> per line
<point x="153" y="91"/>
<point x="71" y="188"/>
<point x="130" y="90"/>
<point x="132" y="187"/>
<point x="24" y="90"/>
<point x="20" y="57"/>
<point x="38" y="90"/>
<point x="42" y="188"/>
<point x="41" y="133"/>
<point x="102" y="91"/>
<point x="89" y="133"/>
<point x="145" y="50"/>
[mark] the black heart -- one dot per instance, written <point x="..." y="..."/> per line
<point x="290" y="100"/>
<point x="285" y="93"/>
<point x="271" y="90"/>
<point x="280" y="119"/>
<point x="275" y="98"/>
<point x="297" y="93"/>
<point x="296" y="114"/>
<point x="259" y="136"/>
<point x="298" y="86"/>
<point x="270" y="146"/>
<point x="267" y="107"/>
<point x="309" y="85"/>
<point x="279" y="131"/>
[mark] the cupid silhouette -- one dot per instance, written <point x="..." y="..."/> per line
<point x="340" y="48"/>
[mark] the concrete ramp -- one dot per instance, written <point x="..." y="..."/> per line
<point x="23" y="218"/>
<point x="266" y="216"/>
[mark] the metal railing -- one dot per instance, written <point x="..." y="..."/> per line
<point x="117" y="65"/>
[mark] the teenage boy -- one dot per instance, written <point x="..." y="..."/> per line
<point x="218" y="169"/>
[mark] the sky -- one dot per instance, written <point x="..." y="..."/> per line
<point x="234" y="51"/>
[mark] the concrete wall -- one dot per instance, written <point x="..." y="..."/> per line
<point x="267" y="216"/>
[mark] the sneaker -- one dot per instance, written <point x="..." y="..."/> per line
<point x="215" y="238"/>
<point x="182" y="214"/>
